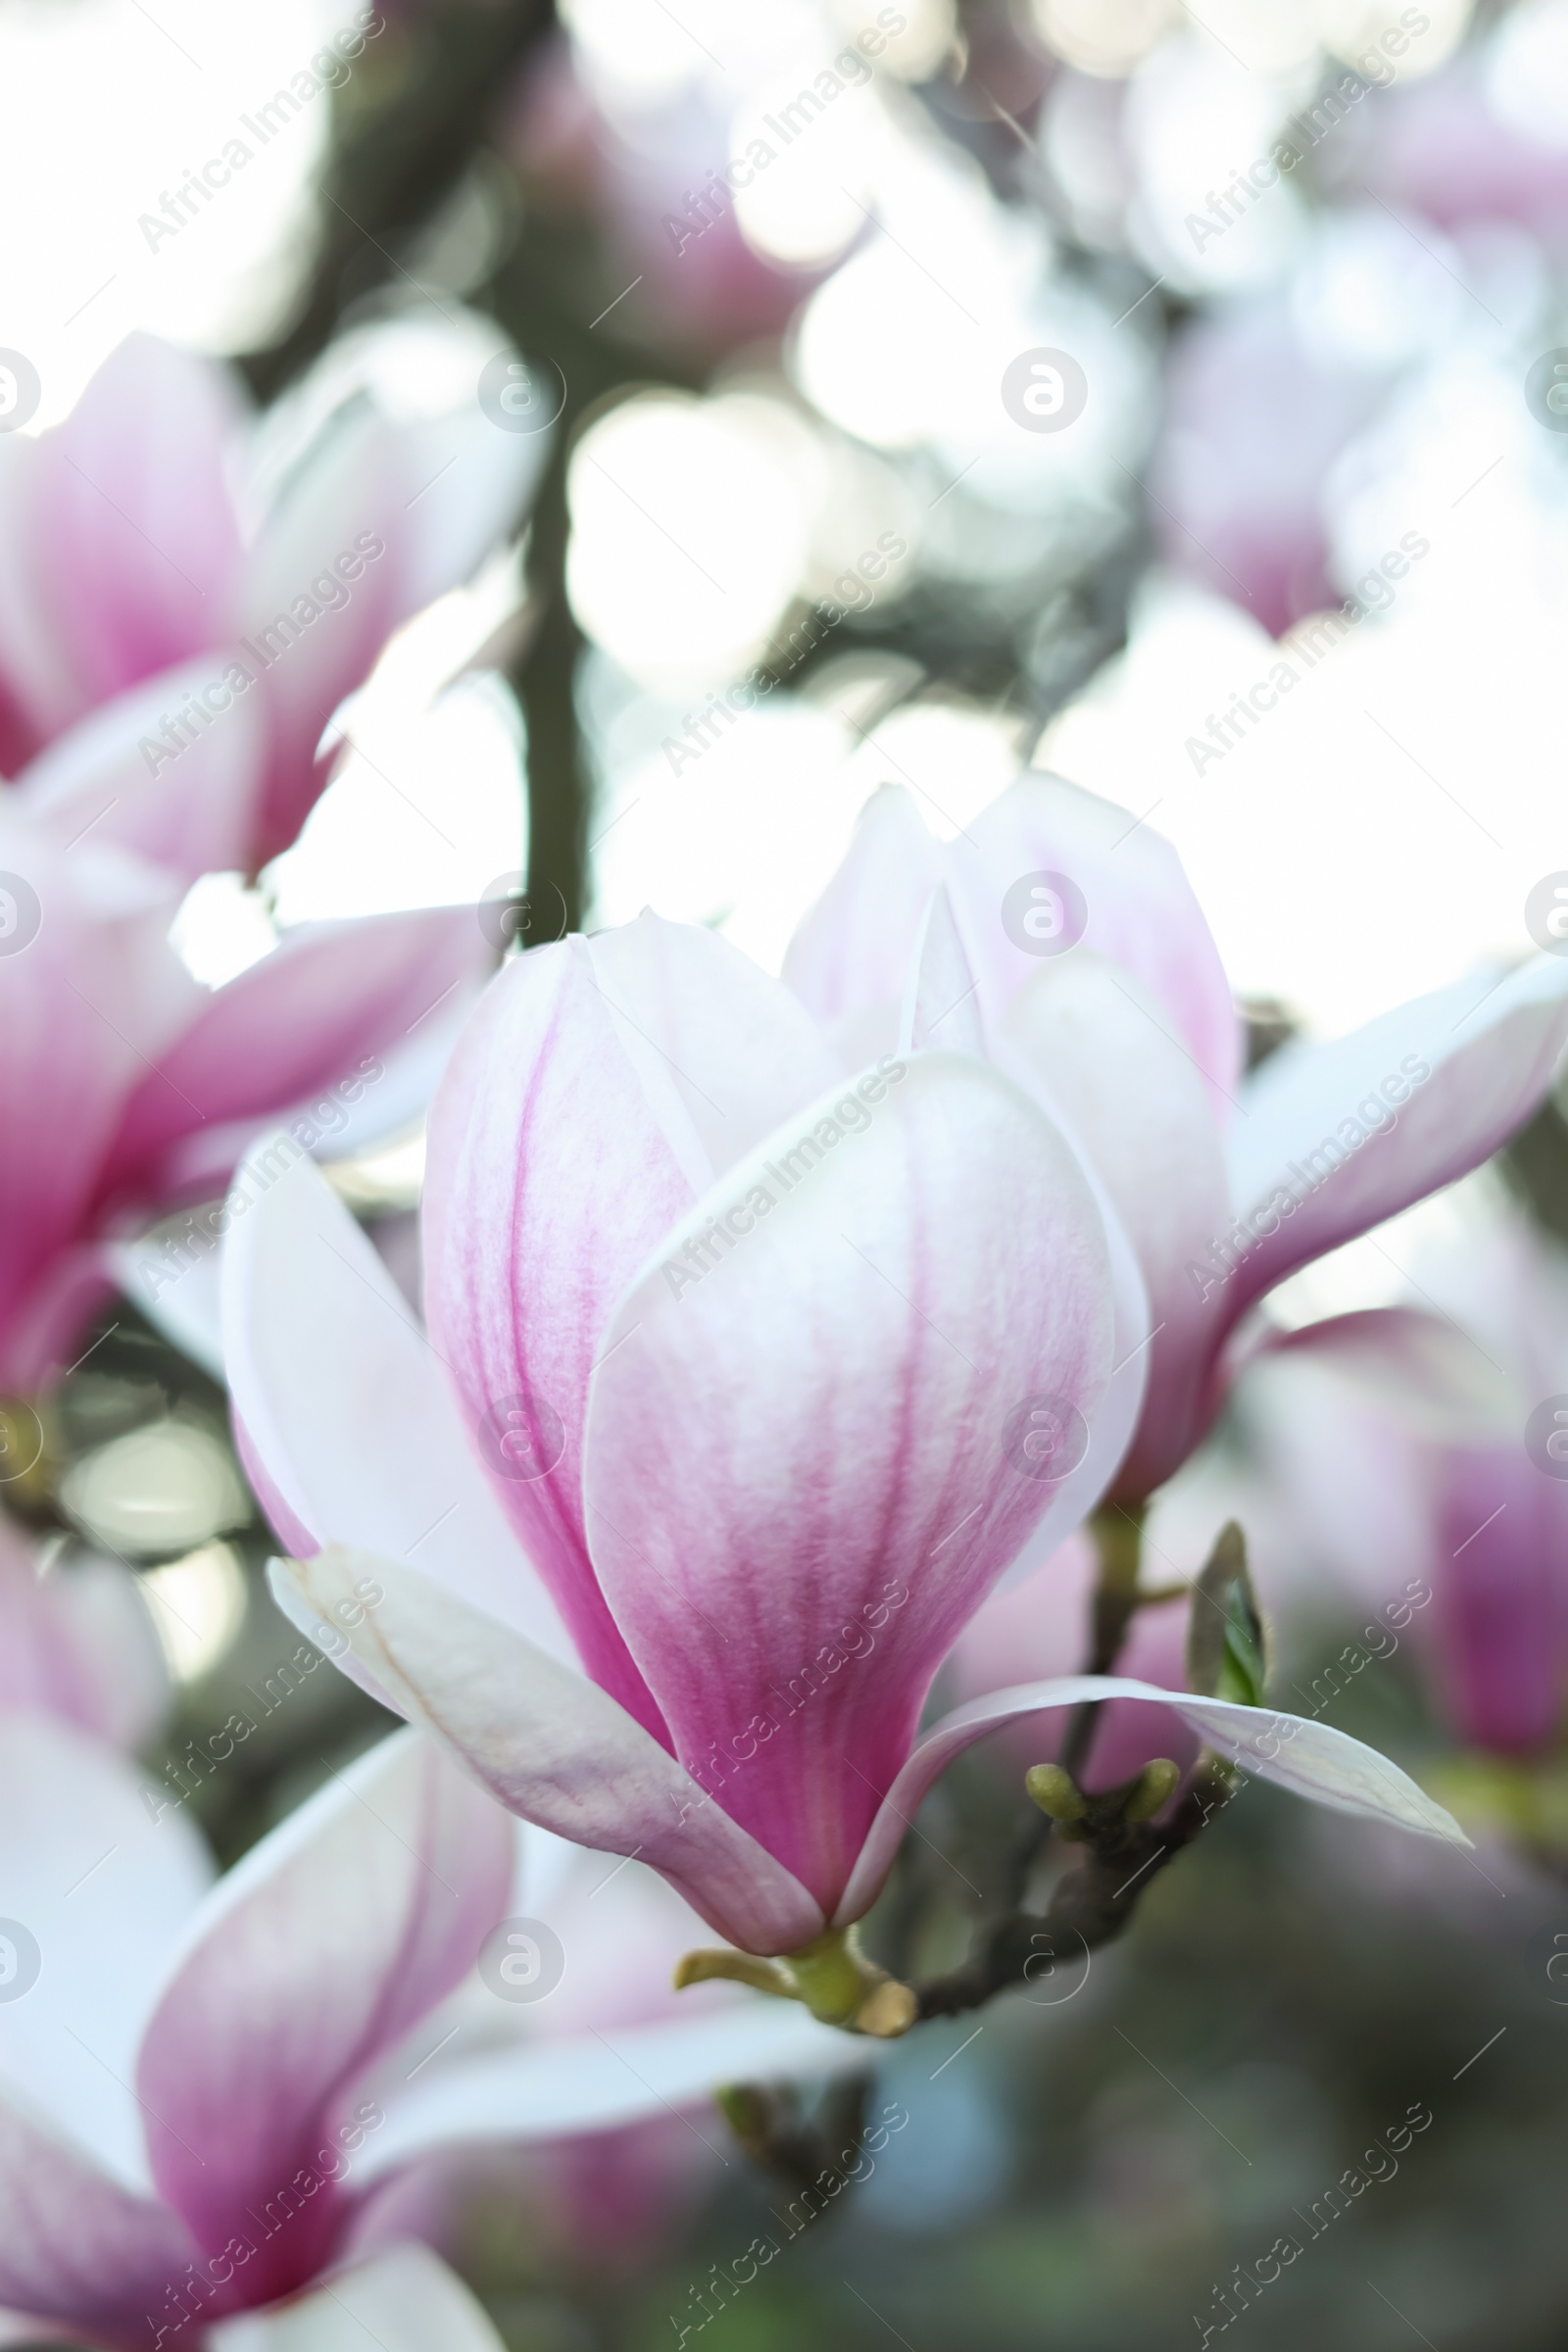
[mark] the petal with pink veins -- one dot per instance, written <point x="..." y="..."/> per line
<point x="328" y="1942"/>
<point x="78" y="2248"/>
<point x="556" y="1748"/>
<point x="802" y="1454"/>
<point x="348" y="1422"/>
<point x="550" y="1180"/>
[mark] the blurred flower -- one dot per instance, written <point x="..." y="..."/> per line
<point x="1077" y="954"/>
<point x="76" y="1643"/>
<point x="209" y="587"/>
<point x="767" y="1355"/>
<point x="1043" y="1627"/>
<point x="1420" y="1450"/>
<point x="610" y="2067"/>
<point x="246" y="2019"/>
<point x="128" y="1090"/>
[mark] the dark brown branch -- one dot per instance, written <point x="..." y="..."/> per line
<point x="1092" y="1905"/>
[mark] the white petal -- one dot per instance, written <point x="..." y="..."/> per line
<point x="345" y="1404"/>
<point x="1312" y="1759"/>
<point x="603" y="2080"/>
<point x="406" y="2300"/>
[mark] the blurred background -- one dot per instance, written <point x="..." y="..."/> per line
<point x="922" y="391"/>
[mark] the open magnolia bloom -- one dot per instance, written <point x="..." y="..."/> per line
<point x="212" y="2096"/>
<point x="1067" y="945"/>
<point x="78" y="1644"/>
<point x="128" y="1089"/>
<point x="211" y="586"/>
<point x="749" y="1374"/>
<point x="181" y="2101"/>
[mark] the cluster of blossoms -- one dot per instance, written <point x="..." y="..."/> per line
<point x="782" y="1339"/>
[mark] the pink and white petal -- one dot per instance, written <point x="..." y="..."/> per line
<point x="190" y="809"/>
<point x="821" y="1421"/>
<point x="398" y="1083"/>
<point x="1449" y="1077"/>
<point x="100" y="1872"/>
<point x="723" y="1053"/>
<point x="556" y="1748"/>
<point x="1101" y="1055"/>
<point x="84" y="1007"/>
<point x="1498" y="1628"/>
<point x="1121" y="1407"/>
<point x="314" y="1955"/>
<point x="852" y="952"/>
<point x="78" y="1644"/>
<point x="309" y="635"/>
<point x="405" y="2300"/>
<point x="75" y="2247"/>
<point x="942" y="997"/>
<point x="1044" y="1627"/>
<point x="1345" y="1420"/>
<point x="314" y="1014"/>
<point x="38" y="690"/>
<point x="137" y="544"/>
<point x="550" y="1180"/>
<point x="348" y="1421"/>
<point x="601" y="2082"/>
<point x="1311" y="1759"/>
<point x="1141" y="912"/>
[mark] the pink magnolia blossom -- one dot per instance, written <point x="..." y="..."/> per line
<point x="740" y="1354"/>
<point x="181" y="2071"/>
<point x="128" y="1089"/>
<point x="146" y="551"/>
<point x="1068" y="947"/>
<point x="612" y="2070"/>
<point x="1414" y="1452"/>
<point x="210" y="2098"/>
<point x="77" y="1644"/>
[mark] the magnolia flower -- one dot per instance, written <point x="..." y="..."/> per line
<point x="77" y="1644"/>
<point x="126" y="1088"/>
<point x="610" y="2068"/>
<point x="210" y="2095"/>
<point x="750" y="1371"/>
<point x="1073" y="953"/>
<point x="1422" y="1459"/>
<point x="181" y="2110"/>
<point x="211" y="595"/>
